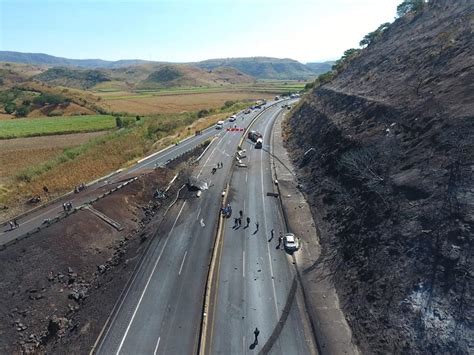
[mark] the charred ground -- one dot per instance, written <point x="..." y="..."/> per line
<point x="390" y="181"/>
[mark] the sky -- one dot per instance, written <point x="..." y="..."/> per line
<point x="190" y="30"/>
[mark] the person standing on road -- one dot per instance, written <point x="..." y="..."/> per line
<point x="256" y="332"/>
<point x="12" y="226"/>
<point x="16" y="223"/>
<point x="248" y="221"/>
<point x="241" y="213"/>
<point x="256" y="225"/>
<point x="280" y="239"/>
<point x="272" y="234"/>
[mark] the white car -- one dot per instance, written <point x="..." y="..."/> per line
<point x="290" y="242"/>
<point x="232" y="118"/>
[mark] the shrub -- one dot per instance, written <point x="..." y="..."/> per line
<point x="373" y="36"/>
<point x="47" y="98"/>
<point x="229" y="103"/>
<point x="203" y="113"/>
<point x="410" y="6"/>
<point x="22" y="111"/>
<point x="326" y="77"/>
<point x="118" y="122"/>
<point x="9" y="107"/>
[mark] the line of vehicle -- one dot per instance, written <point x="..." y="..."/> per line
<point x="149" y="279"/>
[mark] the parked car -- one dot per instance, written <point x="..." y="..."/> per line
<point x="290" y="242"/>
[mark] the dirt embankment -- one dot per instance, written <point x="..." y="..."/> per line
<point x="390" y="181"/>
<point x="60" y="284"/>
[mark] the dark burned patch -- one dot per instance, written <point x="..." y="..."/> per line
<point x="397" y="223"/>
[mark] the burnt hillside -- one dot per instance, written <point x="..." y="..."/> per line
<point x="391" y="183"/>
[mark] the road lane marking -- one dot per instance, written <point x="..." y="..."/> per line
<point x="243" y="264"/>
<point x="210" y="155"/>
<point x="246" y="176"/>
<point x="148" y="281"/>
<point x="199" y="211"/>
<point x="182" y="262"/>
<point x="157" y="345"/>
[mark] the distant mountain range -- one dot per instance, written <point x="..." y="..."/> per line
<point x="257" y="67"/>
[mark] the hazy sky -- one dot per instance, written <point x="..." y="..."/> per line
<point x="190" y="30"/>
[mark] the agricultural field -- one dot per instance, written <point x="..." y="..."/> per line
<point x="31" y="127"/>
<point x="21" y="153"/>
<point x="150" y="103"/>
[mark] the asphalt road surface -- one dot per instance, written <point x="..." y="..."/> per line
<point x="161" y="310"/>
<point x="255" y="278"/>
<point x="32" y="221"/>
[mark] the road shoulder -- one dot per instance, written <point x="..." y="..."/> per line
<point x="332" y="331"/>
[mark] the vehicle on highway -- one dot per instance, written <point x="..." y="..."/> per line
<point x="247" y="111"/>
<point x="288" y="107"/>
<point x="254" y="135"/>
<point x="220" y="125"/>
<point x="259" y="143"/>
<point x="277" y="98"/>
<point x="283" y="106"/>
<point x="290" y="242"/>
<point x="232" y="118"/>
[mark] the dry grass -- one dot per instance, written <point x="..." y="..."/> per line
<point x="176" y="103"/>
<point x="17" y="154"/>
<point x="5" y="116"/>
<point x="22" y="153"/>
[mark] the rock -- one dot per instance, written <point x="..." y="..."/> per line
<point x="69" y="270"/>
<point x="101" y="268"/>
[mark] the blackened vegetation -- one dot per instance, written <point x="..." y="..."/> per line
<point x="391" y="184"/>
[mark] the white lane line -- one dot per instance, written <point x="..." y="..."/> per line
<point x="244" y="206"/>
<point x="244" y="350"/>
<point x="157" y="345"/>
<point x="246" y="176"/>
<point x="182" y="262"/>
<point x="243" y="264"/>
<point x="210" y="155"/>
<point x="148" y="281"/>
<point x="199" y="211"/>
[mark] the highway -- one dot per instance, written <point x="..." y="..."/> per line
<point x="161" y="311"/>
<point x="255" y="279"/>
<point x="31" y="221"/>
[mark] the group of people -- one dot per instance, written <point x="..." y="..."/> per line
<point x="67" y="206"/>
<point x="238" y="221"/>
<point x="13" y="224"/>
<point x="79" y="188"/>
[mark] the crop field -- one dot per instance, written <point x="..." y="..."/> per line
<point x="151" y="103"/>
<point x="31" y="127"/>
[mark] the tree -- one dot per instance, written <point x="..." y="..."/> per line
<point x="9" y="107"/>
<point x="346" y="57"/>
<point x="410" y="6"/>
<point x="22" y="111"/>
<point x="373" y="36"/>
